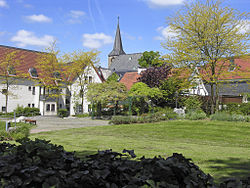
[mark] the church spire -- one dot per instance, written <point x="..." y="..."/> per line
<point x="117" y="48"/>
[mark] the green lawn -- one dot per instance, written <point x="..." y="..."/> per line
<point x="219" y="148"/>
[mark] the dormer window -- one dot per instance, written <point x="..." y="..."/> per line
<point x="11" y="70"/>
<point x="33" y="72"/>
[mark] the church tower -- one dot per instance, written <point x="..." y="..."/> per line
<point x="117" y="48"/>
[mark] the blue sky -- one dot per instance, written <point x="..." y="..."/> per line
<point x="88" y="24"/>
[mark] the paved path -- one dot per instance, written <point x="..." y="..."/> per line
<point x="56" y="123"/>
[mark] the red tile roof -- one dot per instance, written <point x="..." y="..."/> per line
<point x="27" y="58"/>
<point x="241" y="71"/>
<point x="129" y="79"/>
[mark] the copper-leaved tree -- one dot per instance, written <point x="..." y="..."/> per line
<point x="207" y="35"/>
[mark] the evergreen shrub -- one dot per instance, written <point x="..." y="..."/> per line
<point x="63" y="113"/>
<point x="22" y="131"/>
<point x="196" y="115"/>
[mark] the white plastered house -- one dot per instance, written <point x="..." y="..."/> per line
<point x="27" y="92"/>
<point x="91" y="75"/>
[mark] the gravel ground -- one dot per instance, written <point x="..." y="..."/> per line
<point x="55" y="123"/>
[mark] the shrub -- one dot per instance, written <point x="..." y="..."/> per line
<point x="192" y="103"/>
<point x="167" y="113"/>
<point x="221" y="116"/>
<point x="22" y="131"/>
<point x="82" y="115"/>
<point x="27" y="111"/>
<point x="195" y="115"/>
<point x="233" y="108"/>
<point x="41" y="164"/>
<point x="63" y="113"/>
<point x="116" y="120"/>
<point x="224" y="116"/>
<point x="245" y="108"/>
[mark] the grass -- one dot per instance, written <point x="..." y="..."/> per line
<point x="219" y="148"/>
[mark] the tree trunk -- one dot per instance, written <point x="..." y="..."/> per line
<point x="82" y="104"/>
<point x="6" y="98"/>
<point x="6" y="103"/>
<point x="217" y="98"/>
<point x="212" y="98"/>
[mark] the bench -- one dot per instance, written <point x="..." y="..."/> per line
<point x="30" y="121"/>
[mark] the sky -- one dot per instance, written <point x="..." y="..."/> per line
<point x="90" y="24"/>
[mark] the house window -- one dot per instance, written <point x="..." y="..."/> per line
<point x="48" y="107"/>
<point x="53" y="107"/>
<point x="60" y="105"/>
<point x="3" y="109"/>
<point x="33" y="91"/>
<point x="33" y="105"/>
<point x="29" y="88"/>
<point x="90" y="79"/>
<point x="29" y="105"/>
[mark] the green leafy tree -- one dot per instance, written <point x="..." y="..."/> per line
<point x="113" y="77"/>
<point x="151" y="59"/>
<point x="207" y="35"/>
<point x="143" y="95"/>
<point x="171" y="89"/>
<point x="80" y="66"/>
<point x="9" y="73"/>
<point x="107" y="93"/>
<point x="52" y="71"/>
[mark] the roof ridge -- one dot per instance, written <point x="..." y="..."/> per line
<point x="21" y="49"/>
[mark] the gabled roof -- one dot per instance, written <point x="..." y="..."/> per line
<point x="129" y="79"/>
<point x="125" y="63"/>
<point x="71" y="77"/>
<point x="234" y="69"/>
<point x="117" y="48"/>
<point x="231" y="88"/>
<point x="27" y="58"/>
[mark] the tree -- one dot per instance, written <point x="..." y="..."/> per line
<point x="9" y="73"/>
<point x="143" y="95"/>
<point x="113" y="77"/>
<point x="79" y="68"/>
<point x="107" y="93"/>
<point x="208" y="35"/>
<point x="52" y="73"/>
<point x="154" y="76"/>
<point x="150" y="59"/>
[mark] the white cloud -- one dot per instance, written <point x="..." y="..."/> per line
<point x="76" y="16"/>
<point x="3" y="3"/>
<point x="25" y="38"/>
<point x="96" y="40"/>
<point x="165" y="33"/>
<point x="163" y="3"/>
<point x="76" y="13"/>
<point x="2" y="33"/>
<point x="38" y="18"/>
